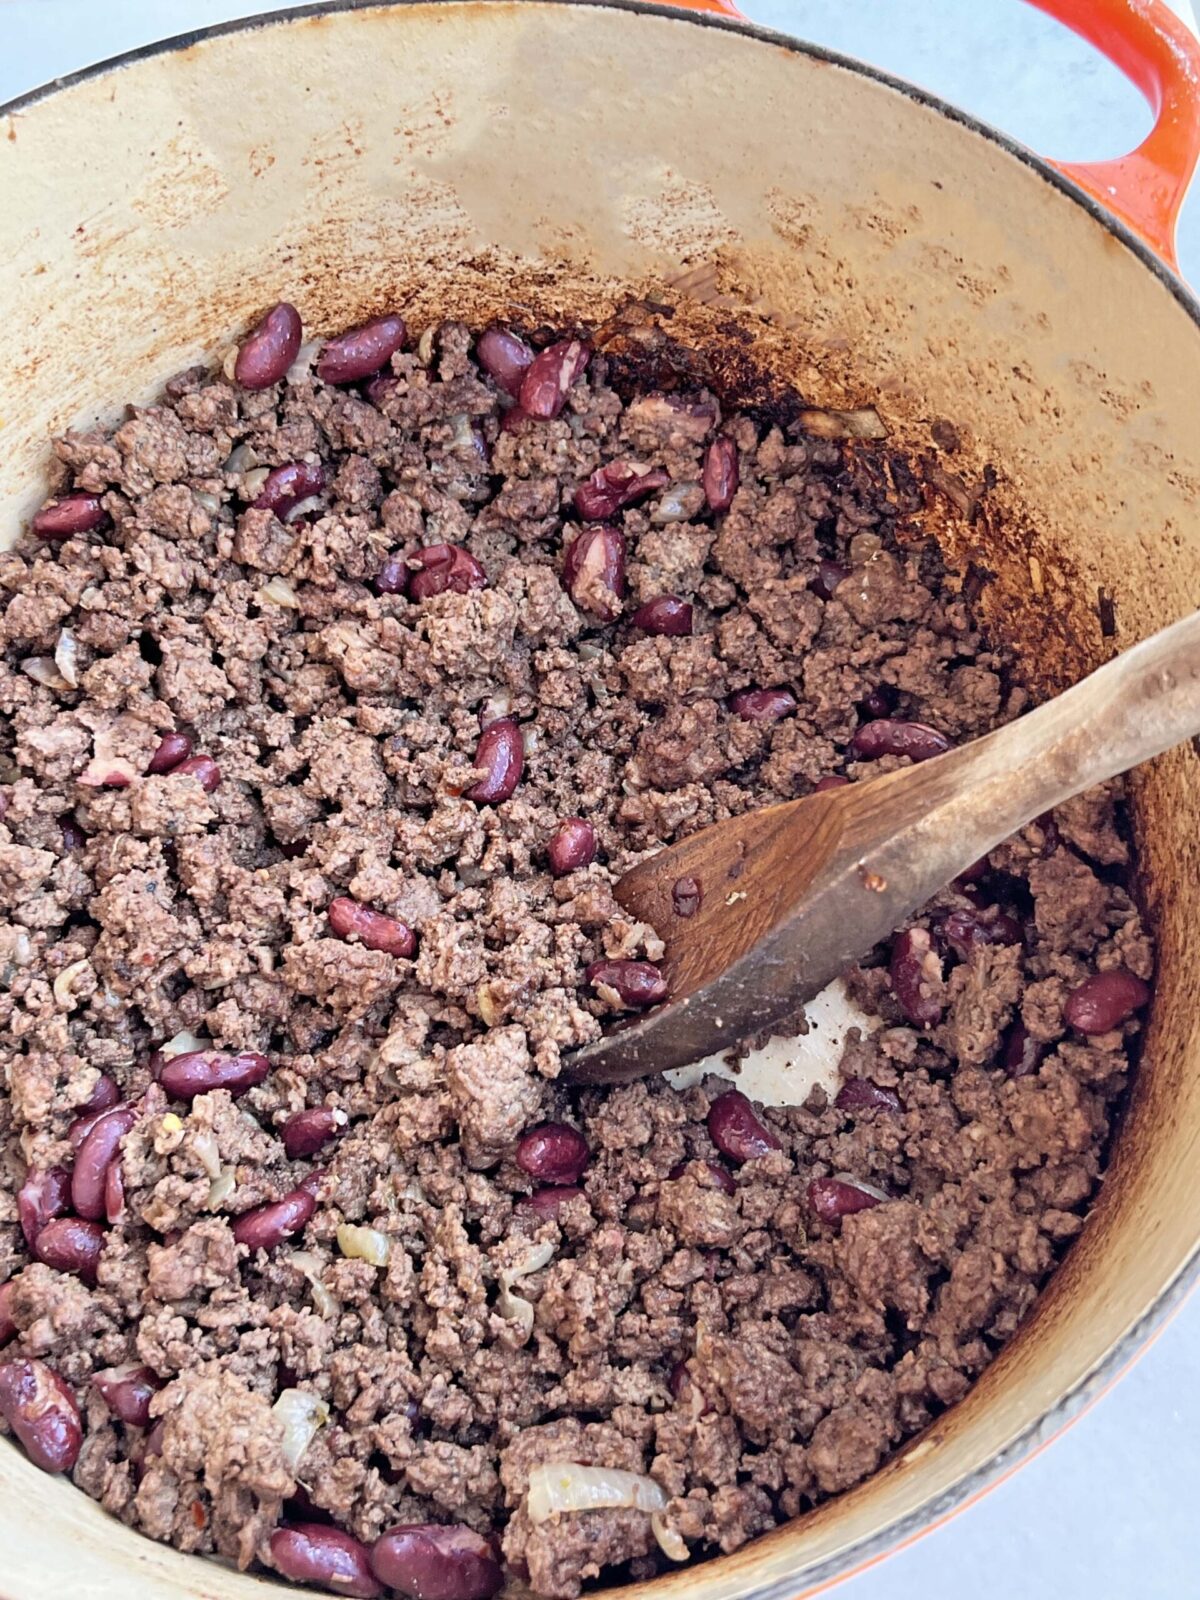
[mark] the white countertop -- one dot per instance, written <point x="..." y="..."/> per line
<point x="1108" y="1512"/>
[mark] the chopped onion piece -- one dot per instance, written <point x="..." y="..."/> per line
<point x="305" y="357"/>
<point x="210" y="502"/>
<point x="279" y="592"/>
<point x="670" y="1542"/>
<point x="560" y="1487"/>
<point x="64" y="984"/>
<point x="310" y="1265"/>
<point x="45" y="670"/>
<point x="253" y="481"/>
<point x="221" y="1188"/>
<point x="65" y="652"/>
<point x="304" y="508"/>
<point x="425" y="347"/>
<point x="207" y="1152"/>
<point x="364" y="1244"/>
<point x="302" y="1415"/>
<point x="183" y="1043"/>
<point x="864" y="423"/>
<point x="514" y="1307"/>
<point x="241" y="459"/>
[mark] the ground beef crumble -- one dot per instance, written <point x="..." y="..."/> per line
<point x="687" y="1318"/>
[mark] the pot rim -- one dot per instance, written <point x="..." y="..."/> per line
<point x="1092" y="1385"/>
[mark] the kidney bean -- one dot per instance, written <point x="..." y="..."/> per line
<point x="594" y="571"/>
<point x="638" y="983"/>
<point x="1105" y="1000"/>
<point x="1022" y="1055"/>
<point x="128" y="1392"/>
<point x="553" y="1153"/>
<point x="269" y="349"/>
<point x="500" y="754"/>
<point x="914" y="967"/>
<point x="204" y="769"/>
<point x="379" y="388"/>
<point x="860" y="1094"/>
<point x="43" y="1413"/>
<point x="393" y="576"/>
<point x="572" y="845"/>
<point x="313" y="1552"/>
<point x="74" y="513"/>
<point x="734" y="1127"/>
<point x="71" y="1244"/>
<point x="964" y="931"/>
<point x="720" y="1177"/>
<point x="436" y="1561"/>
<point x="114" y="1192"/>
<point x="687" y="896"/>
<point x="829" y="575"/>
<point x="613" y="486"/>
<point x="665" y="614"/>
<point x="97" y="1150"/>
<point x="306" y="1132"/>
<point x="879" y="701"/>
<point x="8" y="1327"/>
<point x="543" y="391"/>
<point x="762" y="705"/>
<point x="73" y="836"/>
<point x="504" y="357"/>
<point x="285" y="487"/>
<point x="678" y="1379"/>
<point x="374" y="930"/>
<point x="833" y="781"/>
<point x="362" y="351"/>
<point x="196" y="1072"/>
<point x="834" y="1198"/>
<point x="103" y="1096"/>
<point x="269" y="1225"/>
<point x="548" y="1202"/>
<point x="442" y="567"/>
<point x="172" y="749"/>
<point x="45" y="1194"/>
<point x="82" y="1126"/>
<point x="887" y="737"/>
<point x="720" y="476"/>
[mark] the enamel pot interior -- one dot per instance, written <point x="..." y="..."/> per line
<point x="810" y="224"/>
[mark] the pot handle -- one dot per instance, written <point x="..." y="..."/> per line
<point x="1160" y="55"/>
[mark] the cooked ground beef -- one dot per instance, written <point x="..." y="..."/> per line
<point x="753" y="1337"/>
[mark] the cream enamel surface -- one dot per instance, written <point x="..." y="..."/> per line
<point x="872" y="246"/>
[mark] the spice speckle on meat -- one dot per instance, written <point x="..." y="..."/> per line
<point x="339" y="687"/>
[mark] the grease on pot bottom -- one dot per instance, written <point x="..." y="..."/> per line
<point x="344" y="692"/>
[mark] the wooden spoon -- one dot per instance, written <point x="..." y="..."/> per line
<point x="793" y="894"/>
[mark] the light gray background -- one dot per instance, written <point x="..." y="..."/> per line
<point x="1109" y="1512"/>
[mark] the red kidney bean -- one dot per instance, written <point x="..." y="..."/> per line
<point x="543" y="391"/>
<point x="45" y="1194"/>
<point x="196" y="1072"/>
<point x="762" y="705"/>
<point x="379" y="388"/>
<point x="833" y="781"/>
<point x="1105" y="1000"/>
<point x="312" y="1180"/>
<point x="435" y="1561"/>
<point x="613" y="486"/>
<point x="393" y="576"/>
<point x="553" y="1153"/>
<point x="594" y="571"/>
<point x="313" y="1552"/>
<point x="860" y="1094"/>
<point x="103" y="1096"/>
<point x="572" y="845"/>
<point x="964" y="931"/>
<point x="687" y="896"/>
<point x="285" y="487"/>
<point x="721" y="1178"/>
<point x="362" y="351"/>
<point x="833" y="1198"/>
<point x="829" y="575"/>
<point x="887" y="737"/>
<point x="204" y="769"/>
<point x="172" y="749"/>
<point x="720" y="475"/>
<point x="269" y="1225"/>
<point x="269" y="349"/>
<point x="512" y="420"/>
<point x="879" y="701"/>
<point x="504" y="357"/>
<point x="69" y="1244"/>
<point x="82" y="1126"/>
<point x="678" y="1379"/>
<point x="73" y="836"/>
<point x="306" y="1132"/>
<point x="114" y="1192"/>
<point x="374" y="930"/>
<point x="735" y="1129"/>
<point x="500" y="754"/>
<point x="128" y="1392"/>
<point x="548" y="1202"/>
<point x="442" y="567"/>
<point x="74" y="513"/>
<point x="8" y="1327"/>
<point x="43" y="1413"/>
<point x="1022" y="1055"/>
<point x="912" y="958"/>
<point x="665" y="614"/>
<point x="638" y="983"/>
<point x="97" y="1150"/>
